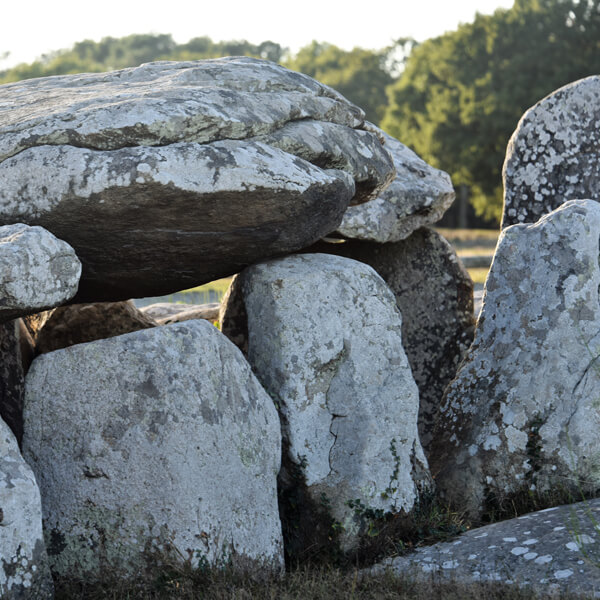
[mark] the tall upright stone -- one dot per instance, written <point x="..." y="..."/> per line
<point x="523" y="411"/>
<point x="338" y="371"/>
<point x="24" y="572"/>
<point x="153" y="445"/>
<point x="553" y="155"/>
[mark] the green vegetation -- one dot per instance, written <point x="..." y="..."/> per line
<point x="462" y="94"/>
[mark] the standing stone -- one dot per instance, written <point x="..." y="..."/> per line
<point x="156" y="175"/>
<point x="418" y="196"/>
<point x="339" y="374"/>
<point x="554" y="154"/>
<point x="155" y="444"/>
<point x="24" y="572"/>
<point x="435" y="296"/>
<point x="37" y="271"/>
<point x="523" y="412"/>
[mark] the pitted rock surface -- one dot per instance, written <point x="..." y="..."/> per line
<point x="156" y="178"/>
<point x="155" y="443"/>
<point x="523" y="409"/>
<point x="418" y="196"/>
<point x="80" y="323"/>
<point x="557" y="549"/>
<point x="435" y="296"/>
<point x="24" y="571"/>
<point x="347" y="398"/>
<point x="553" y="155"/>
<point x="37" y="271"/>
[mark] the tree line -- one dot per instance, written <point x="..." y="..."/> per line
<point x="455" y="99"/>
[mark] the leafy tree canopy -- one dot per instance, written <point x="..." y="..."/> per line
<point x="461" y="94"/>
<point x="360" y="75"/>
<point x="133" y="50"/>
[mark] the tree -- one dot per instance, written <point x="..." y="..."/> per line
<point x="461" y="94"/>
<point x="133" y="50"/>
<point x="360" y="75"/>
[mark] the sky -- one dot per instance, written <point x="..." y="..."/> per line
<point x="31" y="28"/>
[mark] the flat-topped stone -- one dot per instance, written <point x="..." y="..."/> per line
<point x="557" y="549"/>
<point x="158" y="177"/>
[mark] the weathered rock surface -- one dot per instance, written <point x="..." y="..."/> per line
<point x="435" y="296"/>
<point x="170" y="312"/>
<point x="155" y="175"/>
<point x="523" y="409"/>
<point x="418" y="196"/>
<point x="24" y="572"/>
<point x="37" y="270"/>
<point x="347" y="398"/>
<point x="557" y="549"/>
<point x="80" y="323"/>
<point x="155" y="443"/>
<point x="553" y="155"/>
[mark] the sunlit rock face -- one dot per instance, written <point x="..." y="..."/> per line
<point x="157" y="445"/>
<point x="338" y="371"/>
<point x="37" y="271"/>
<point x="523" y="410"/>
<point x="169" y="175"/>
<point x="419" y="195"/>
<point x="554" y="154"/>
<point x="552" y="551"/>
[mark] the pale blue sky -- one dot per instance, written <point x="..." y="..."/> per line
<point x="31" y="28"/>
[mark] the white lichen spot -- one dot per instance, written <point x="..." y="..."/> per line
<point x="450" y="564"/>
<point x="542" y="560"/>
<point x="529" y="542"/>
<point x="530" y="555"/>
<point x="563" y="574"/>
<point x="509" y="539"/>
<point x="518" y="551"/>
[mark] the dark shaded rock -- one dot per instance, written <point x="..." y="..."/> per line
<point x="552" y="550"/>
<point x="435" y="296"/>
<point x="80" y="323"/>
<point x="12" y="373"/>
<point x="554" y="154"/>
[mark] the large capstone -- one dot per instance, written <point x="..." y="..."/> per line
<point x="37" y="270"/>
<point x="553" y="155"/>
<point x="24" y="572"/>
<point x="151" y="446"/>
<point x="418" y="196"/>
<point x="338" y="371"/>
<point x="523" y="411"/>
<point x="435" y="296"/>
<point x="158" y="177"/>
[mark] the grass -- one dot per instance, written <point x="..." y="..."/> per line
<point x="470" y="237"/>
<point x="478" y="275"/>
<point x="300" y="584"/>
<point x="219" y="285"/>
